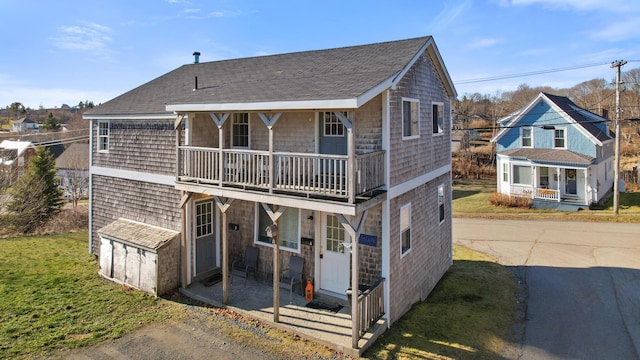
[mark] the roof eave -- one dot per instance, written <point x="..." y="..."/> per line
<point x="349" y="103"/>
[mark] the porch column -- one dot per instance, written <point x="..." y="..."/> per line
<point x="274" y="215"/>
<point x="219" y="120"/>
<point x="184" y="278"/>
<point x="223" y="207"/>
<point x="558" y="170"/>
<point x="270" y="122"/>
<point x="354" y="233"/>
<point x="351" y="153"/>
<point x="177" y="126"/>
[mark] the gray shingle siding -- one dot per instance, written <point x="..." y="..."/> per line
<point x="114" y="198"/>
<point x="139" y="145"/>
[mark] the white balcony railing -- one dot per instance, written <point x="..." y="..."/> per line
<point x="311" y="174"/>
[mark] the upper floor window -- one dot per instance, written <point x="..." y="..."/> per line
<point x="288" y="229"/>
<point x="559" y="140"/>
<point x="103" y="136"/>
<point x="240" y="130"/>
<point x="438" y="118"/>
<point x="410" y="118"/>
<point x="332" y="125"/>
<point x="527" y="137"/>
<point x="405" y="228"/>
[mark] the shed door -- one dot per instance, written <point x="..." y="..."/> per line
<point x="205" y="237"/>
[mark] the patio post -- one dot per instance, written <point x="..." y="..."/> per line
<point x="224" y="206"/>
<point x="272" y="231"/>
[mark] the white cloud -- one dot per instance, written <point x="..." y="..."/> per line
<point x="536" y="52"/>
<point x="618" y="30"/>
<point x="615" y="6"/>
<point x="448" y="15"/>
<point x="84" y="37"/>
<point x="483" y="43"/>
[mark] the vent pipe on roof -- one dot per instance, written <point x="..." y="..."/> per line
<point x="195" y="85"/>
<point x="196" y="57"/>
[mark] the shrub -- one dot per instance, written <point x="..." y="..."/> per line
<point x="498" y="199"/>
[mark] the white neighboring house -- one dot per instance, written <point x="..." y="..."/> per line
<point x="73" y="171"/>
<point x="14" y="158"/>
<point x="24" y="125"/>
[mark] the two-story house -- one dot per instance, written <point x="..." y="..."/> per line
<point x="346" y="150"/>
<point x="556" y="153"/>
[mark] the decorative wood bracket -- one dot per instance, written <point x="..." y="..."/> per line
<point x="270" y="121"/>
<point x="351" y="229"/>
<point x="219" y="119"/>
<point x="178" y="121"/>
<point x="187" y="195"/>
<point x="345" y="121"/>
<point x="273" y="215"/>
<point x="223" y="206"/>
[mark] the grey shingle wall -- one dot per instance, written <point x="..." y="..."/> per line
<point x="114" y="198"/>
<point x="144" y="145"/>
<point x="413" y="276"/>
<point x="410" y="158"/>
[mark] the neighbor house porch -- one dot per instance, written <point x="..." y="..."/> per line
<point x="330" y="326"/>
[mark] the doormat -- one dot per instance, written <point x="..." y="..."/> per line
<point x="315" y="304"/>
<point x="211" y="280"/>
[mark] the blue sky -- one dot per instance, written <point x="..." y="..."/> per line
<point x="67" y="51"/>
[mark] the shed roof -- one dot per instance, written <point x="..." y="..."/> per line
<point x="138" y="234"/>
<point x="24" y="120"/>
<point x="20" y="146"/>
<point x="320" y="75"/>
<point x="550" y="156"/>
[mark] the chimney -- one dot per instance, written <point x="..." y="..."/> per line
<point x="605" y="113"/>
<point x="196" y="57"/>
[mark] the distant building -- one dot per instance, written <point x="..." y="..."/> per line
<point x="24" y="125"/>
<point x="73" y="171"/>
<point x="14" y="158"/>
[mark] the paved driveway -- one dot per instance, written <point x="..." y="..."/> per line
<point x="583" y="282"/>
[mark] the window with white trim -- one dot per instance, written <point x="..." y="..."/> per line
<point x="103" y="136"/>
<point x="240" y="130"/>
<point x="332" y="125"/>
<point x="522" y="174"/>
<point x="441" y="203"/>
<point x="544" y="177"/>
<point x="288" y="229"/>
<point x="405" y="228"/>
<point x="526" y="134"/>
<point x="438" y="118"/>
<point x="559" y="140"/>
<point x="410" y="118"/>
<point x="505" y="172"/>
<point x="204" y="218"/>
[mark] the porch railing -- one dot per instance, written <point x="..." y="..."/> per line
<point x="546" y="194"/>
<point x="521" y="190"/>
<point x="370" y="307"/>
<point x="319" y="174"/>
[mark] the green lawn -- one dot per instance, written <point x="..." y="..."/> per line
<point x="471" y="199"/>
<point x="468" y="315"/>
<point x="51" y="297"/>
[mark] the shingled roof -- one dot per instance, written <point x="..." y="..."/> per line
<point x="333" y="74"/>
<point x="550" y="156"/>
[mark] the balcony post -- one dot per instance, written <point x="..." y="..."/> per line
<point x="178" y="128"/>
<point x="270" y="122"/>
<point x="219" y="120"/>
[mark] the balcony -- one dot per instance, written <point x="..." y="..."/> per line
<point x="302" y="174"/>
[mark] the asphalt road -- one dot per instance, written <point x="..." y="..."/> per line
<point x="582" y="280"/>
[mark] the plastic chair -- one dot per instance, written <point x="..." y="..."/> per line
<point x="292" y="276"/>
<point x="247" y="265"/>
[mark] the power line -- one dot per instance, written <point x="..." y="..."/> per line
<point x="531" y="73"/>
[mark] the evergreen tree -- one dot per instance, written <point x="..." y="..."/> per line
<point x="36" y="196"/>
<point x="50" y="123"/>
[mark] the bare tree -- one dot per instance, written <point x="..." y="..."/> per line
<point x="74" y="177"/>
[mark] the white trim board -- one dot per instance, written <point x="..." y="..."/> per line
<point x="134" y="175"/>
<point x="267" y="105"/>
<point x="417" y="181"/>
<point x="131" y="117"/>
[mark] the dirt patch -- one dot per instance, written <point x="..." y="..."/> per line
<point x="203" y="334"/>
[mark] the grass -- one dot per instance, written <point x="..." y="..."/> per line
<point x="471" y="199"/>
<point x="52" y="298"/>
<point x="468" y="315"/>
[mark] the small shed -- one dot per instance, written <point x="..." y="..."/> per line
<point x="143" y="256"/>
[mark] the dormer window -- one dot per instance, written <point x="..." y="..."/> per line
<point x="559" y="140"/>
<point x="527" y="137"/>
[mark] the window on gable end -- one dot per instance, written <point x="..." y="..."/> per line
<point x="559" y="140"/>
<point x="103" y="136"/>
<point x="438" y="118"/>
<point x="527" y="137"/>
<point x="410" y="118"/>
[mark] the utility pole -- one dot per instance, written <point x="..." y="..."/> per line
<point x="616" y="171"/>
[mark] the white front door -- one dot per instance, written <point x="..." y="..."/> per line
<point x="334" y="257"/>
